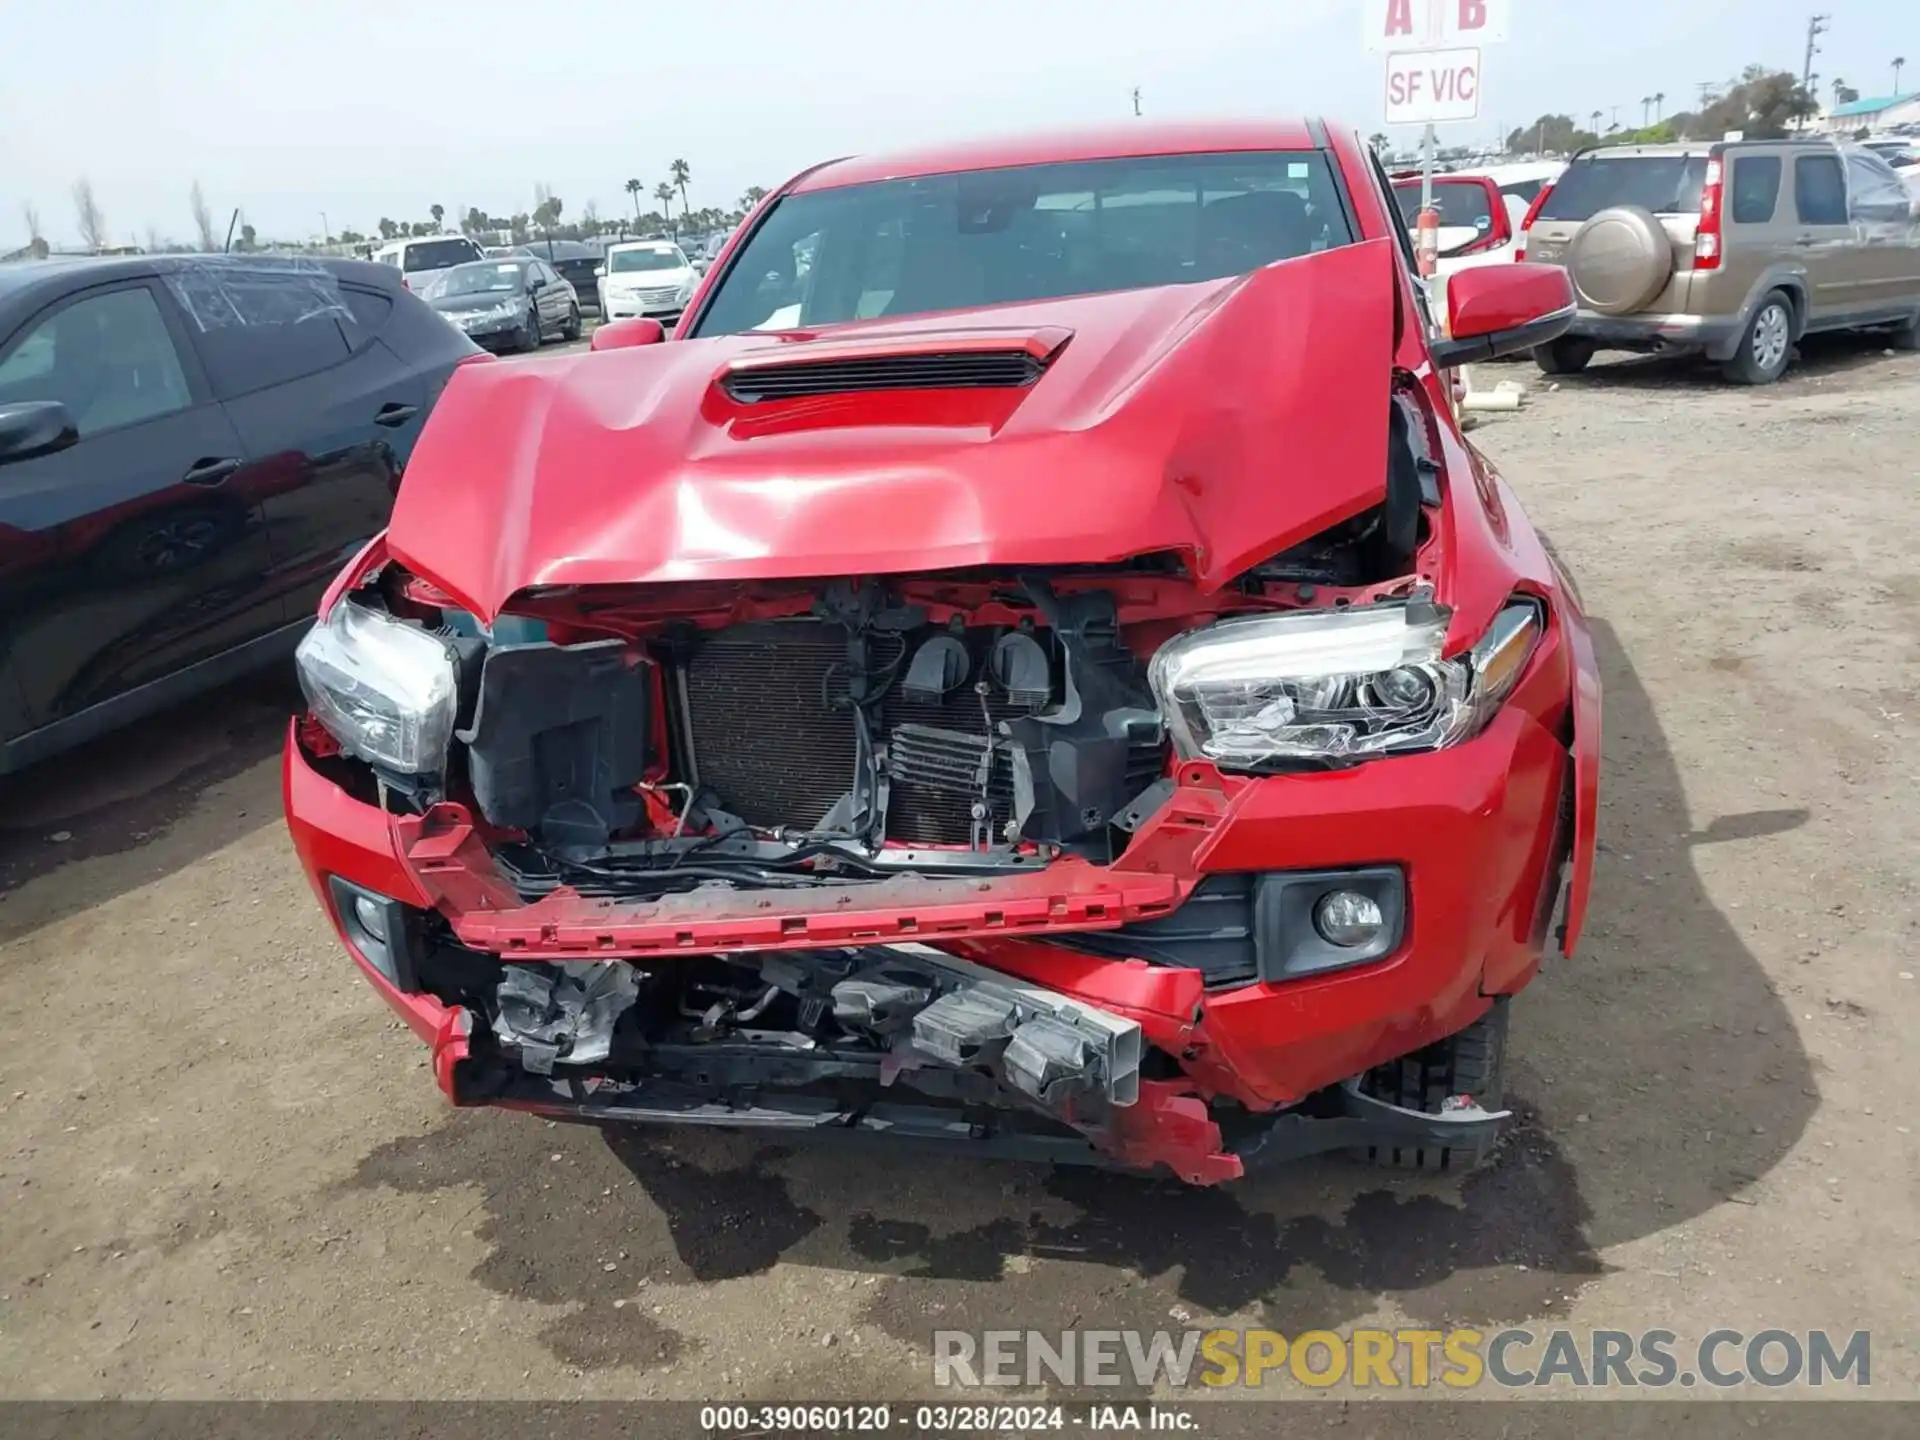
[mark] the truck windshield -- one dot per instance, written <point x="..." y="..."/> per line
<point x="1032" y="232"/>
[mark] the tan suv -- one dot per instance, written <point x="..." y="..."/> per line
<point x="1734" y="249"/>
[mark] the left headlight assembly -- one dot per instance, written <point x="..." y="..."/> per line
<point x="386" y="690"/>
<point x="1325" y="686"/>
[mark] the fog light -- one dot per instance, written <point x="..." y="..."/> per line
<point x="372" y="917"/>
<point x="376" y="929"/>
<point x="1347" y="918"/>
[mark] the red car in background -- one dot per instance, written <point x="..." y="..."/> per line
<point x="1032" y="664"/>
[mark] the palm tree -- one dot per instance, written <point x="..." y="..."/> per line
<point x="439" y="213"/>
<point x="634" y="187"/>
<point x="1646" y="110"/>
<point x="1596" y="122"/>
<point x="752" y="196"/>
<point x="1899" y="64"/>
<point x="1377" y="142"/>
<point x="663" y="192"/>
<point x="681" y="172"/>
<point x="1659" y="100"/>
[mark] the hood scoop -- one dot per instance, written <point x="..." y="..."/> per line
<point x="957" y="360"/>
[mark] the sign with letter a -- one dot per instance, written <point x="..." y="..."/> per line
<point x="1393" y="25"/>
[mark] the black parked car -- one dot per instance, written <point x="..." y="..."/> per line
<point x="190" y="448"/>
<point x="574" y="259"/>
<point x="511" y="304"/>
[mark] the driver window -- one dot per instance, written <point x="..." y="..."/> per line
<point x="109" y="359"/>
<point x="787" y="282"/>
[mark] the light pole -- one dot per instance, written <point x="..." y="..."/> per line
<point x="326" y="231"/>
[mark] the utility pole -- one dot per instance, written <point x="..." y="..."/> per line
<point x="1136" y="102"/>
<point x="1707" y="87"/>
<point x="1816" y="27"/>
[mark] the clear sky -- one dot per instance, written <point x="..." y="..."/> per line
<point x="364" y="108"/>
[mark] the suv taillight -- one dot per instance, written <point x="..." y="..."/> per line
<point x="1533" y="214"/>
<point x="1706" y="239"/>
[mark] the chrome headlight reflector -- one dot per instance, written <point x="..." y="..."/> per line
<point x="386" y="690"/>
<point x="1322" y="685"/>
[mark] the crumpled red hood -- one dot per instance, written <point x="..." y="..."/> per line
<point x="1223" y="420"/>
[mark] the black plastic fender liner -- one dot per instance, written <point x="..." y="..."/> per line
<point x="559" y="739"/>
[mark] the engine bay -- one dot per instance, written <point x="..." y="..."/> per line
<point x="859" y="735"/>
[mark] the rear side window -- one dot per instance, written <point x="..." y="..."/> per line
<point x="1756" y="188"/>
<point x="370" y="311"/>
<point x="438" y="254"/>
<point x="1819" y="190"/>
<point x="1876" y="194"/>
<point x="1664" y="184"/>
<point x="259" y="324"/>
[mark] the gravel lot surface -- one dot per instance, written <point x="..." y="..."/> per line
<point x="224" y="1170"/>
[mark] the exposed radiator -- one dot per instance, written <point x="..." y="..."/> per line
<point x="768" y="737"/>
<point x="758" y="717"/>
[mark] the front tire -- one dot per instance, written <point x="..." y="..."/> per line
<point x="572" y="331"/>
<point x="1566" y="356"/>
<point x="1472" y="1062"/>
<point x="530" y="332"/>
<point x="1767" y="346"/>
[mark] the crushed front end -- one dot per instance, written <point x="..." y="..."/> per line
<point x="1085" y="863"/>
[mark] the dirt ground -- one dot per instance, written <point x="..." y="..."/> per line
<point x="224" y="1170"/>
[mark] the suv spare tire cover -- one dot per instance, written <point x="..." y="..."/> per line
<point x="1619" y="260"/>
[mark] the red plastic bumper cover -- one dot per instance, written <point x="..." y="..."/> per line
<point x="1476" y="828"/>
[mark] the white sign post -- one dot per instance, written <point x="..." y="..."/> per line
<point x="1433" y="73"/>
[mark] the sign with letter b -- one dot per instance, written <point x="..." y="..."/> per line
<point x="1392" y="25"/>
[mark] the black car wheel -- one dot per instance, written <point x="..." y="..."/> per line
<point x="1566" y="356"/>
<point x="572" y="332"/>
<point x="530" y="332"/>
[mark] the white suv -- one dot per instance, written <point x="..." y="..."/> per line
<point x="417" y="257"/>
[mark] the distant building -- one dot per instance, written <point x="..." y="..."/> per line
<point x="1883" y="112"/>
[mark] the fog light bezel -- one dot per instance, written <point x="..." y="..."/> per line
<point x="391" y="953"/>
<point x="1288" y="944"/>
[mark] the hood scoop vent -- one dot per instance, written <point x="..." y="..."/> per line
<point x="949" y="370"/>
<point x="997" y="358"/>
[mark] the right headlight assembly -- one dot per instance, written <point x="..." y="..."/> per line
<point x="1324" y="686"/>
<point x="386" y="690"/>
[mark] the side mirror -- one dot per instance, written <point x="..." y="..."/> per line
<point x="599" y="271"/>
<point x="35" y="427"/>
<point x="535" y="284"/>
<point x="1496" y="310"/>
<point x="625" y="334"/>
